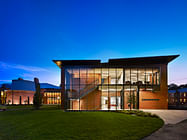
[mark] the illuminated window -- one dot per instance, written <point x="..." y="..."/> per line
<point x="184" y="100"/>
<point x="184" y="94"/>
<point x="112" y="76"/>
<point x="127" y="76"/>
<point x="134" y="75"/>
<point x="180" y="100"/>
<point x="106" y="82"/>
<point x="119" y="76"/>
<point x="141" y="75"/>
<point x="1" y="93"/>
<point x="105" y="76"/>
<point x="52" y="97"/>
<point x="148" y="76"/>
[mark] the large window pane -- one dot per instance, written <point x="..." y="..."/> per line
<point x="83" y="76"/>
<point x="75" y="76"/>
<point x="90" y="76"/>
<point x="149" y="76"/>
<point x="104" y="97"/>
<point x="119" y="75"/>
<point x="156" y="76"/>
<point x="127" y="76"/>
<point x="112" y="76"/>
<point x="68" y="76"/>
<point x="141" y="75"/>
<point x="133" y="75"/>
<point x="97" y="76"/>
<point x="104" y="76"/>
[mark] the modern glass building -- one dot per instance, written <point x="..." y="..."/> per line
<point x="139" y="83"/>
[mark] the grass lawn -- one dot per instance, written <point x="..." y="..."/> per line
<point x="59" y="125"/>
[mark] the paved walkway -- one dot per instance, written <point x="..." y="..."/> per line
<point x="170" y="132"/>
<point x="170" y="116"/>
<point x="175" y="127"/>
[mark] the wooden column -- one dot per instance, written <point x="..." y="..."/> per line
<point x="63" y="97"/>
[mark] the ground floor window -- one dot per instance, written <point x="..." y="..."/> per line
<point x="3" y="97"/>
<point x="52" y="98"/>
<point x="103" y="98"/>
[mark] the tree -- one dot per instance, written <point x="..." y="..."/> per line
<point x="37" y="96"/>
<point x="172" y="87"/>
<point x="9" y="102"/>
<point x="131" y="101"/>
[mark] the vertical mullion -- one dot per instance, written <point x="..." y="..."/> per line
<point x="79" y="88"/>
<point x="152" y="79"/>
<point x="94" y="92"/>
<point x="145" y="79"/>
<point x="101" y="89"/>
<point x="137" y="91"/>
<point x="86" y="87"/>
<point x="123" y="88"/>
<point x="71" y="84"/>
<point x="130" y="90"/>
<point x="156" y="79"/>
<point x="116" y="88"/>
<point x="160" y="76"/>
<point x="137" y="76"/>
<point x="108" y="88"/>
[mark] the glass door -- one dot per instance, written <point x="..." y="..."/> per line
<point x="104" y="103"/>
<point x="130" y="101"/>
<point x="115" y="103"/>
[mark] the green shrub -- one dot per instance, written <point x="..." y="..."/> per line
<point x="2" y="107"/>
<point x="139" y="113"/>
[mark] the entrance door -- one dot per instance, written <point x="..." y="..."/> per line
<point x="115" y="103"/>
<point x="104" y="103"/>
<point x="130" y="99"/>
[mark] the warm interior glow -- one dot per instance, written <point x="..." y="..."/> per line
<point x="1" y="93"/>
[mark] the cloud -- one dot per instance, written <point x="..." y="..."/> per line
<point x="21" y="67"/>
<point x="5" y="80"/>
<point x="9" y="71"/>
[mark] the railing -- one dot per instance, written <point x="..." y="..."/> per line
<point x="89" y="88"/>
<point x="86" y="90"/>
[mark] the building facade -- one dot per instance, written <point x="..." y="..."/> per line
<point x="177" y="98"/>
<point x="139" y="83"/>
<point x="21" y="92"/>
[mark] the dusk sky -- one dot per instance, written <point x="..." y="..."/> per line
<point x="35" y="32"/>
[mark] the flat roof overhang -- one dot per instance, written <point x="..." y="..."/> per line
<point x="120" y="61"/>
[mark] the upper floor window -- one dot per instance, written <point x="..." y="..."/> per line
<point x="86" y="76"/>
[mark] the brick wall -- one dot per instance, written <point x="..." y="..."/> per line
<point x="159" y="99"/>
<point x="14" y="96"/>
<point x="91" y="101"/>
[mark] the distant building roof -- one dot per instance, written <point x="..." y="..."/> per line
<point x="179" y="90"/>
<point x="23" y="85"/>
<point x="6" y="85"/>
<point x="171" y="91"/>
<point x="27" y="85"/>
<point x="183" y="90"/>
<point x="48" y="86"/>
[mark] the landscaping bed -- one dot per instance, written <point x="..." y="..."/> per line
<point x="139" y="113"/>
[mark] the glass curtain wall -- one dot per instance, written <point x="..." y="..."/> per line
<point x="107" y="88"/>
